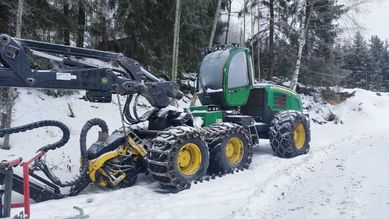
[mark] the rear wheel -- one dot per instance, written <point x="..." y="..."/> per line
<point x="290" y="134"/>
<point x="230" y="148"/>
<point x="177" y="157"/>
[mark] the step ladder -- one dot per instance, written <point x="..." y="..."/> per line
<point x="254" y="134"/>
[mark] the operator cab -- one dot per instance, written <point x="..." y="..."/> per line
<point x="225" y="78"/>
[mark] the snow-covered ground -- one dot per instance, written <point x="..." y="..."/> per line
<point x="345" y="175"/>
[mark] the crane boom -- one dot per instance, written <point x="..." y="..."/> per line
<point x="72" y="72"/>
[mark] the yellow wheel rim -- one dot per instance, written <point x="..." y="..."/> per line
<point x="299" y="136"/>
<point x="234" y="150"/>
<point x="189" y="159"/>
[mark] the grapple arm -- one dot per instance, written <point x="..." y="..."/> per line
<point x="73" y="73"/>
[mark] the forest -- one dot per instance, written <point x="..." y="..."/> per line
<point x="144" y="30"/>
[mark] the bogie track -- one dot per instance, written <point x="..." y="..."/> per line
<point x="230" y="147"/>
<point x="164" y="154"/>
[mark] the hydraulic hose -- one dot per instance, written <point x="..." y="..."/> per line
<point x="134" y="119"/>
<point x="127" y="112"/>
<point x="40" y="124"/>
<point x="84" y="133"/>
<point x="82" y="180"/>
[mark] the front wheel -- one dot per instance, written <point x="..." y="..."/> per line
<point x="178" y="156"/>
<point x="290" y="134"/>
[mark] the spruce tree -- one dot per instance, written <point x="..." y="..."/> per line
<point x="357" y="61"/>
<point x="376" y="49"/>
<point x="385" y="66"/>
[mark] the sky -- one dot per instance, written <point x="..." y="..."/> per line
<point x="374" y="17"/>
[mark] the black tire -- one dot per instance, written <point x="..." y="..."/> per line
<point x="163" y="157"/>
<point x="219" y="137"/>
<point x="282" y="131"/>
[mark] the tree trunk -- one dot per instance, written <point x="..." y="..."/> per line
<point x="308" y="15"/>
<point x="5" y="143"/>
<point x="104" y="32"/>
<point x="303" y="29"/>
<point x="102" y="12"/>
<point x="228" y="20"/>
<point x="240" y="36"/>
<point x="252" y="20"/>
<point x="252" y="34"/>
<point x="243" y="42"/>
<point x="81" y="23"/>
<point x="19" y="18"/>
<point x="214" y="25"/>
<point x="66" y="32"/>
<point x="259" y="45"/>
<point x="271" y="41"/>
<point x="9" y="94"/>
<point x="176" y="40"/>
<point x="7" y="116"/>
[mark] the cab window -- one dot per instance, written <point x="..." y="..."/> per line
<point x="237" y="71"/>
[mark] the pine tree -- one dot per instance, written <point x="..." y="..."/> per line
<point x="6" y="17"/>
<point x="357" y="61"/>
<point x="81" y="23"/>
<point x="376" y="50"/>
<point x="385" y="66"/>
<point x="319" y="67"/>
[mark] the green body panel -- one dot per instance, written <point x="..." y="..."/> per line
<point x="237" y="96"/>
<point x="271" y="99"/>
<point x="210" y="114"/>
<point x="293" y="101"/>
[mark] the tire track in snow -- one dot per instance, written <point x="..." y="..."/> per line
<point x="329" y="186"/>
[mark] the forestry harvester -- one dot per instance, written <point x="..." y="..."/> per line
<point x="176" y="147"/>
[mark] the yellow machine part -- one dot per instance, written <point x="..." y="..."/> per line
<point x="234" y="150"/>
<point x="95" y="165"/>
<point x="136" y="148"/>
<point x="189" y="159"/>
<point x="299" y="136"/>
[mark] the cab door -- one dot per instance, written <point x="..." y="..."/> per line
<point x="237" y="78"/>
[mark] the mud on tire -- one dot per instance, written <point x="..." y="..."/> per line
<point x="290" y="134"/>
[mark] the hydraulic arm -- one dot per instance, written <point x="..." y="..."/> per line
<point x="71" y="70"/>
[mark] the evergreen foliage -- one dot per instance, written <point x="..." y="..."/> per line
<point x="368" y="63"/>
<point x="143" y="30"/>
